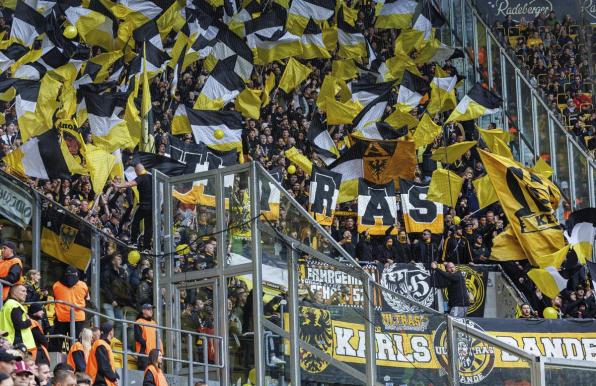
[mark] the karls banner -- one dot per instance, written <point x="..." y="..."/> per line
<point x="412" y="348"/>
<point x="16" y="204"/>
<point x="498" y="10"/>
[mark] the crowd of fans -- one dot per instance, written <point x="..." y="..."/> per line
<point x="555" y="58"/>
<point x="551" y="55"/>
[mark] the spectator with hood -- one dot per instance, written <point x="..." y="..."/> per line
<point x="71" y="290"/>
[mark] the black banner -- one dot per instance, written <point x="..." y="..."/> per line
<point x="476" y="281"/>
<point x="498" y="10"/>
<point x="412" y="348"/>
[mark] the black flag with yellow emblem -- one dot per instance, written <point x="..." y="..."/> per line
<point x="66" y="238"/>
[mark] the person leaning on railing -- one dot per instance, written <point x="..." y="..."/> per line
<point x="78" y="356"/>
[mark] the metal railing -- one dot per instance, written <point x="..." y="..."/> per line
<point x="191" y="337"/>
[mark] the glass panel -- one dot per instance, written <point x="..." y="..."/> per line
<point x="527" y="156"/>
<point x="527" y="126"/>
<point x="194" y="224"/>
<point x="511" y="92"/>
<point x="562" y="375"/>
<point x="543" y="146"/>
<point x="482" y="59"/>
<point x="562" y="162"/>
<point x="330" y="314"/>
<point x="482" y="363"/>
<point x="240" y="325"/>
<point x="580" y="169"/>
<point x="237" y="212"/>
<point x="496" y="60"/>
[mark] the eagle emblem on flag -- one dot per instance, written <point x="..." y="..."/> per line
<point x="68" y="235"/>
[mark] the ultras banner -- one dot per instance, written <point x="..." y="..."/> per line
<point x="412" y="348"/>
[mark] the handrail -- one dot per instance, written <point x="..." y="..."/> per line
<point x="533" y="90"/>
<point x="192" y="336"/>
<point x="59" y="206"/>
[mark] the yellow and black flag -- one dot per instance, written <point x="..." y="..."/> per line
<point x="478" y="102"/>
<point x="66" y="239"/>
<point x="529" y="202"/>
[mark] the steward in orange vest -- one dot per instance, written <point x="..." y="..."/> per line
<point x="71" y="290"/>
<point x="76" y="358"/>
<point x="36" y="313"/>
<point x="101" y="366"/>
<point x="153" y="374"/>
<point x="11" y="267"/>
<point x="145" y="337"/>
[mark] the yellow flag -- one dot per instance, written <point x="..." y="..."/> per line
<point x="501" y="148"/>
<point x="426" y="132"/>
<point x="549" y="281"/>
<point x="248" y="103"/>
<point x="444" y="187"/>
<point x="484" y="191"/>
<point x="407" y="40"/>
<point x="341" y="113"/>
<point x="529" y="202"/>
<point x="554" y="259"/>
<point x="344" y="69"/>
<point x="146" y="99"/>
<point x="269" y="84"/>
<point x="453" y="152"/>
<point x="400" y="119"/>
<point x="100" y="164"/>
<point x="543" y="168"/>
<point x="294" y="74"/>
<point x="299" y="159"/>
<point x="506" y="247"/>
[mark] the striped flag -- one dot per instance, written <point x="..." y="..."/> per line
<point x="222" y="86"/>
<point x="321" y="140"/>
<point x="411" y="91"/>
<point x="350" y="166"/>
<point x="27" y="24"/>
<point x="313" y="45"/>
<point x="395" y="13"/>
<point x="204" y="124"/>
<point x="580" y="232"/>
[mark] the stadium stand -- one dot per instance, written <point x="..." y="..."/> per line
<point x="189" y="86"/>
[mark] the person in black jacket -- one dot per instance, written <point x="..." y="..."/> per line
<point x="457" y="248"/>
<point x="455" y="282"/>
<point x="100" y="357"/>
<point x="364" y="248"/>
<point x="426" y="250"/>
<point x="403" y="250"/>
<point x="385" y="254"/>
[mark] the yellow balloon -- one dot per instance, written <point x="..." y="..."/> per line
<point x="252" y="376"/>
<point x="134" y="257"/>
<point x="182" y="249"/>
<point x="456" y="220"/>
<point x="70" y="32"/>
<point x="291" y="169"/>
<point x="218" y="134"/>
<point x="550" y="313"/>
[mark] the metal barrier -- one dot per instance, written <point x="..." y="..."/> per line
<point x="126" y="324"/>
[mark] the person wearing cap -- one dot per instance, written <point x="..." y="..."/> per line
<point x="41" y="354"/>
<point x="14" y="319"/>
<point x="22" y="375"/>
<point x="145" y="336"/>
<point x="71" y="290"/>
<point x="79" y="352"/>
<point x="8" y="361"/>
<point x="154" y="376"/>
<point x="101" y="367"/>
<point x="11" y="267"/>
<point x="456" y="248"/>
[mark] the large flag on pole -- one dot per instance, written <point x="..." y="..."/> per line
<point x="529" y="202"/>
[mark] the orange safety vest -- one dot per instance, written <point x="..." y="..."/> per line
<point x="36" y="324"/>
<point x="78" y="346"/>
<point x="5" y="266"/>
<point x="92" y="366"/>
<point x="150" y="336"/>
<point x="74" y="295"/>
<point x="158" y="376"/>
